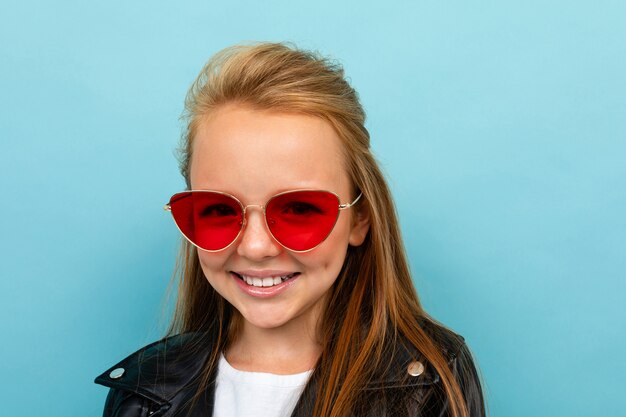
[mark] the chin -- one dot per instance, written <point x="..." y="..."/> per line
<point x="272" y="317"/>
<point x="267" y="322"/>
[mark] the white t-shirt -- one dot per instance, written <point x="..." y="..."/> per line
<point x="256" y="394"/>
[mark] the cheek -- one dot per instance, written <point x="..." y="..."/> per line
<point x="211" y="263"/>
<point x="331" y="255"/>
<point x="340" y="236"/>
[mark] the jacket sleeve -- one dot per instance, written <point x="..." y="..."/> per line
<point x="467" y="376"/>
<point x="120" y="403"/>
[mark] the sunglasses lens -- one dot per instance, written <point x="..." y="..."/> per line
<point x="301" y="220"/>
<point x="209" y="220"/>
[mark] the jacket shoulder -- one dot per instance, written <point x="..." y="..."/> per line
<point x="149" y="378"/>
<point x="450" y="343"/>
<point x="409" y="384"/>
<point x="402" y="355"/>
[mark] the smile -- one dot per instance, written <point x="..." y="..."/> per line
<point x="265" y="281"/>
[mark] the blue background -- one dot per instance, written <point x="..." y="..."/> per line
<point x="501" y="125"/>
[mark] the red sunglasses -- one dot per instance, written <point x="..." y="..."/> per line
<point x="298" y="220"/>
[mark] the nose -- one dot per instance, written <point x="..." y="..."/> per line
<point x="256" y="243"/>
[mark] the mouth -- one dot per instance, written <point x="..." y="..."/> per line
<point x="265" y="281"/>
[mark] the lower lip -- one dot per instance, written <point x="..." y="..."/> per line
<point x="264" y="292"/>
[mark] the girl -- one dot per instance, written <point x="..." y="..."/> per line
<point x="295" y="296"/>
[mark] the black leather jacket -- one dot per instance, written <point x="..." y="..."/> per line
<point x="161" y="380"/>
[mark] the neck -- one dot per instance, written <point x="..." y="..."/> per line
<point x="288" y="349"/>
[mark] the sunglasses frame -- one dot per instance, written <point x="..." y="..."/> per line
<point x="341" y="207"/>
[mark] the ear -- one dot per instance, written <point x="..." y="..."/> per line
<point x="360" y="225"/>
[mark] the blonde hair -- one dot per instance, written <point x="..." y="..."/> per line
<point x="373" y="302"/>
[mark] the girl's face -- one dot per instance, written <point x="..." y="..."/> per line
<point x="253" y="155"/>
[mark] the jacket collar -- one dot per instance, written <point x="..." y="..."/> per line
<point x="161" y="370"/>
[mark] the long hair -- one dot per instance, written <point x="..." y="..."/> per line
<point x="373" y="302"/>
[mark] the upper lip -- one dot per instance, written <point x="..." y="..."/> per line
<point x="264" y="273"/>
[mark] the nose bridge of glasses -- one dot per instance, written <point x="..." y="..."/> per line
<point x="262" y="225"/>
<point x="261" y="207"/>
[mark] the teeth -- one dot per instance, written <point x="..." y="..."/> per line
<point x="265" y="282"/>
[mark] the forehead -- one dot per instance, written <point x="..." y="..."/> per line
<point x="258" y="152"/>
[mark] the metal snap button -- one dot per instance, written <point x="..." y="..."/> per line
<point x="415" y="368"/>
<point x="117" y="373"/>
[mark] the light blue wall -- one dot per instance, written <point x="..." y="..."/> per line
<point x="502" y="126"/>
